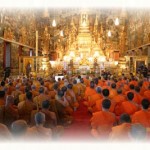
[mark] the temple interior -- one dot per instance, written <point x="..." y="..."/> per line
<point x="75" y="74"/>
<point x="73" y="40"/>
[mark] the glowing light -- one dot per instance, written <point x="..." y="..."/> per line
<point x="117" y="22"/>
<point x="78" y="59"/>
<point x="72" y="54"/>
<point x="90" y="59"/>
<point x="54" y="23"/>
<point x="116" y="63"/>
<point x="53" y="63"/>
<point x="109" y="33"/>
<point x="96" y="54"/>
<point x="61" y="33"/>
<point x="102" y="59"/>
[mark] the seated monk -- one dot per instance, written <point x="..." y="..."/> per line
<point x="137" y="96"/>
<point x="93" y="98"/>
<point x="16" y="94"/>
<point x="50" y="117"/>
<point x="113" y="91"/>
<point x="64" y="111"/>
<point x="10" y="89"/>
<point x="142" y="116"/>
<point x="40" y="98"/>
<point x="11" y="111"/>
<point x="90" y="90"/>
<point x="131" y="89"/>
<point x="3" y="86"/>
<point x="86" y="81"/>
<point x="119" y="98"/>
<point x="26" y="107"/>
<point x="137" y="133"/>
<point x="39" y="132"/>
<point x="76" y="89"/>
<point x="22" y="97"/>
<point x="147" y="93"/>
<point x="102" y="121"/>
<point x="71" y="97"/>
<point x="82" y="87"/>
<point x="34" y="91"/>
<point x="19" y="129"/>
<point x="5" y="134"/>
<point x="128" y="106"/>
<point x="120" y="132"/>
<point x="98" y="104"/>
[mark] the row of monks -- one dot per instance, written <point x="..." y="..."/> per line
<point x="39" y="109"/>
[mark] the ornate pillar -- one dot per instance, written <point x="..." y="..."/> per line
<point x="45" y="61"/>
<point x="7" y="55"/>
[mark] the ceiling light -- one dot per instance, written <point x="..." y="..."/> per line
<point x="54" y="23"/>
<point x="109" y="33"/>
<point x="117" y="22"/>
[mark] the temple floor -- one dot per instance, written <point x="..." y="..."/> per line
<point x="80" y="127"/>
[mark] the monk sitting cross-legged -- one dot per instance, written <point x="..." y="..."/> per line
<point x="93" y="98"/>
<point x="128" y="106"/>
<point x="90" y="90"/>
<point x="102" y="121"/>
<point x="142" y="116"/>
<point x="120" y="132"/>
<point x="137" y="96"/>
<point x="147" y="93"/>
<point x="98" y="103"/>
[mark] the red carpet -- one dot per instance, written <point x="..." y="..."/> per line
<point x="80" y="127"/>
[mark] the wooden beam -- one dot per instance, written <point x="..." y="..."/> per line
<point x="17" y="43"/>
<point x="148" y="44"/>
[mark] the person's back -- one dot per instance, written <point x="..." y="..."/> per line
<point x="5" y="134"/>
<point x="142" y="116"/>
<point x="102" y="121"/>
<point x="120" y="132"/>
<point x="39" y="132"/>
<point x="129" y="107"/>
<point x="113" y="91"/>
<point x="10" y="111"/>
<point x="25" y="108"/>
<point x="40" y="98"/>
<point x="147" y="93"/>
<point x="16" y="94"/>
<point x="137" y="96"/>
<point x="119" y="98"/>
<point x="90" y="90"/>
<point x="50" y="117"/>
<point x="19" y="129"/>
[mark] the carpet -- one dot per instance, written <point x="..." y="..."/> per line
<point x="79" y="130"/>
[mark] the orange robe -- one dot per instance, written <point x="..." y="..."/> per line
<point x="120" y="132"/>
<point x="98" y="106"/>
<point x="86" y="82"/>
<point x="147" y="94"/>
<point x="113" y="93"/>
<point x="127" y="107"/>
<point x="88" y="92"/>
<point x="103" y="121"/>
<point x="142" y="117"/>
<point x="93" y="98"/>
<point x="137" y="98"/>
<point x="119" y="98"/>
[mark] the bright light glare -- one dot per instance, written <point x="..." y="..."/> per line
<point x="54" y="23"/>
<point x="75" y="3"/>
<point x="109" y="33"/>
<point x="117" y="22"/>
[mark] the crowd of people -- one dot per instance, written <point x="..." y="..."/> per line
<point x="40" y="109"/>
